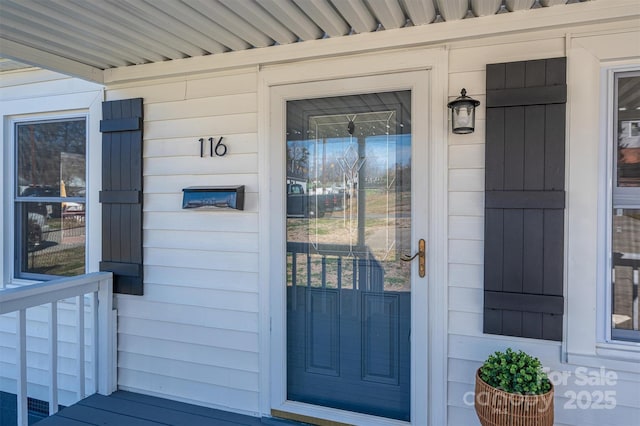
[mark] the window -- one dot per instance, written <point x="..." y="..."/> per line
<point x="49" y="197"/>
<point x="625" y="222"/>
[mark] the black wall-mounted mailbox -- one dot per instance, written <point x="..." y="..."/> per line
<point x="213" y="197"/>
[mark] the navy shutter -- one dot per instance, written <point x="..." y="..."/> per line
<point x="121" y="194"/>
<point x="525" y="198"/>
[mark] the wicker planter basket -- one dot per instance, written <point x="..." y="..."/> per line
<point x="498" y="408"/>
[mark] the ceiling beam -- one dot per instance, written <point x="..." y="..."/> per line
<point x="29" y="55"/>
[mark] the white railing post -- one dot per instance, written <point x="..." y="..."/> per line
<point x="106" y="338"/>
<point x="21" y="335"/>
<point x="80" y="322"/>
<point x="53" y="358"/>
<point x="94" y="343"/>
<point x="635" y="314"/>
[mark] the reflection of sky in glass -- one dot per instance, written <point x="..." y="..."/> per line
<point x="375" y="149"/>
<point x="208" y="199"/>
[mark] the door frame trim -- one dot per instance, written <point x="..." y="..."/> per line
<point x="336" y="76"/>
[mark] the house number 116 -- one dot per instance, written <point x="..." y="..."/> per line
<point x="220" y="149"/>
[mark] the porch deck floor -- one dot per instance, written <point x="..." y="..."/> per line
<point x="131" y="409"/>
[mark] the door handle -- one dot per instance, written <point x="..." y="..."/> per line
<point x="421" y="255"/>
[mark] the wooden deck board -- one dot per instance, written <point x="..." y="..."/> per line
<point x="131" y="409"/>
<point x="61" y="421"/>
<point x="184" y="407"/>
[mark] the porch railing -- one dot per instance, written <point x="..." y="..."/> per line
<point x="626" y="280"/>
<point x="97" y="285"/>
<point x="366" y="273"/>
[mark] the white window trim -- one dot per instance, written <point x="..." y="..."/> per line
<point x="589" y="132"/>
<point x="12" y="170"/>
<point x="87" y="103"/>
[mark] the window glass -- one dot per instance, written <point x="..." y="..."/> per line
<point x="625" y="232"/>
<point x="626" y="260"/>
<point x="628" y="106"/>
<point x="50" y="188"/>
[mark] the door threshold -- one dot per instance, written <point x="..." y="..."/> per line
<point x="306" y="419"/>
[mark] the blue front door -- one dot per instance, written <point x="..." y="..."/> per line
<point x="348" y="171"/>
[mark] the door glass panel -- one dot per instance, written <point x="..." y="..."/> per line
<point x="348" y="180"/>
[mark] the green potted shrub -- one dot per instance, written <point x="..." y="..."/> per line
<point x="512" y="389"/>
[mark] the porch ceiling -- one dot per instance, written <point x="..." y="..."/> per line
<point x="86" y="37"/>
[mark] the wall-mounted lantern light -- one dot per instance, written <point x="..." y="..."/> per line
<point x="463" y="113"/>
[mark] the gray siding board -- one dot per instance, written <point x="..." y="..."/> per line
<point x="553" y="252"/>
<point x="514" y="77"/>
<point x="493" y="255"/>
<point x="535" y="73"/>
<point x="514" y="148"/>
<point x="534" y="151"/>
<point x="496" y="76"/>
<point x="525" y="199"/>
<point x="554" y="147"/>
<point x="526" y="96"/>
<point x="494" y="171"/>
<point x="533" y="256"/>
<point x="513" y="250"/>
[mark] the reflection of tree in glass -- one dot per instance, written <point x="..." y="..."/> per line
<point x="40" y="151"/>
<point x="297" y="159"/>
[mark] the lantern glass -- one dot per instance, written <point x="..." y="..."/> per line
<point x="463" y="117"/>
<point x="463" y="113"/>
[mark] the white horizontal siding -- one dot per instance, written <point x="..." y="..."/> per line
<point x="193" y="336"/>
<point x="206" y="394"/>
<point x="26" y="77"/>
<point x="204" y="297"/>
<point x="48" y="85"/>
<point x="202" y="278"/>
<point x="466" y="203"/>
<point x="201" y="221"/>
<point x="469" y="156"/>
<point x="466" y="227"/>
<point x="231" y="340"/>
<point x="202" y="107"/>
<point x="237" y="82"/>
<point x="187" y="314"/>
<point x="464" y="299"/>
<point x="469" y="252"/>
<point x="228" y="165"/>
<point x="465" y="275"/>
<point x="224" y="241"/>
<point x="466" y="179"/>
<point x="173" y="358"/>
